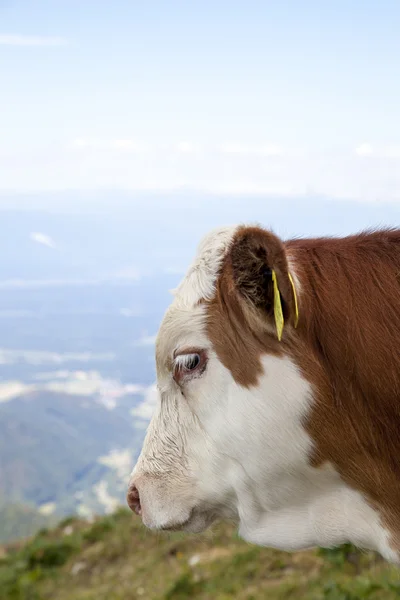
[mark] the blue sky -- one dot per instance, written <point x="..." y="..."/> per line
<point x="283" y="97"/>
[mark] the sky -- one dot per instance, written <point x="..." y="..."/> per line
<point x="221" y="96"/>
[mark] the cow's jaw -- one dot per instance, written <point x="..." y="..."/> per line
<point x="223" y="467"/>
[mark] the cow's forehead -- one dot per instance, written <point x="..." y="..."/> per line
<point x="182" y="328"/>
<point x="200" y="279"/>
<point x="184" y="322"/>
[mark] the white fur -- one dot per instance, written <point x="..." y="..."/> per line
<point x="199" y="282"/>
<point x="216" y="449"/>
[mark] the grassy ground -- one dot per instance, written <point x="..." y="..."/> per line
<point x="115" y="558"/>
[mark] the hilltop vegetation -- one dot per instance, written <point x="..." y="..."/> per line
<point x="115" y="558"/>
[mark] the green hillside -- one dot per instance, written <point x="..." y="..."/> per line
<point x="115" y="558"/>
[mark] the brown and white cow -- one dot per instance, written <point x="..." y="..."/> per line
<point x="293" y="431"/>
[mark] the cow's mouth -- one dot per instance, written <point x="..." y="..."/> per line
<point x="175" y="526"/>
<point x="195" y="523"/>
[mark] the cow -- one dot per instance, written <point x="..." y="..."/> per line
<point x="278" y="378"/>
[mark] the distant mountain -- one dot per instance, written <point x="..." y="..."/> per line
<point x="66" y="453"/>
<point x="118" y="321"/>
<point x="74" y="362"/>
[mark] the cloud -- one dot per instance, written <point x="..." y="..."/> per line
<point x="126" y="145"/>
<point x="103" y="496"/>
<point x="39" y="357"/>
<point x="113" y="145"/>
<point x="119" y="460"/>
<point x="146" y="340"/>
<point x="146" y="408"/>
<point x="230" y="168"/>
<point x="388" y="152"/>
<point x="31" y="40"/>
<point x="244" y="149"/>
<point x="364" y="150"/>
<point x="48" y="508"/>
<point x="89" y="384"/>
<point x="130" y="145"/>
<point x="183" y="148"/>
<point x="43" y="239"/>
<point x="12" y="389"/>
<point x="187" y="147"/>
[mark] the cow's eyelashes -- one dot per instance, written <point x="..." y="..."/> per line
<point x="189" y="364"/>
<point x="191" y="361"/>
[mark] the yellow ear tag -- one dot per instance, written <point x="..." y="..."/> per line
<point x="296" y="306"/>
<point x="279" y="320"/>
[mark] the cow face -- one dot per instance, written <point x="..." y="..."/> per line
<point x="231" y="400"/>
<point x="180" y="472"/>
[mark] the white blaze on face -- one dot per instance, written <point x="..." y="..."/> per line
<point x="168" y="471"/>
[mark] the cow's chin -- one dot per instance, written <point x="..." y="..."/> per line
<point x="196" y="522"/>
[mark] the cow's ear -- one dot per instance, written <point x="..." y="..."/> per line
<point x="261" y="277"/>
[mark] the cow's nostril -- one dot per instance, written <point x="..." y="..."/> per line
<point x="133" y="500"/>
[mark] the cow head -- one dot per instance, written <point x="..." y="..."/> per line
<point x="230" y="400"/>
<point x="236" y="384"/>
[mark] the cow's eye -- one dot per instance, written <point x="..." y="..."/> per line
<point x="187" y="362"/>
<point x="186" y="365"/>
<point x="193" y="361"/>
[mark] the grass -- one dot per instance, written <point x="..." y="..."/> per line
<point x="115" y="558"/>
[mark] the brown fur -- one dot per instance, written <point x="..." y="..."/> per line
<point x="346" y="344"/>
